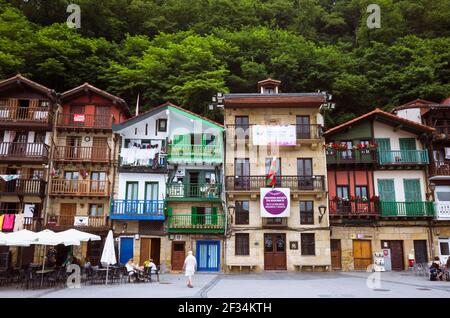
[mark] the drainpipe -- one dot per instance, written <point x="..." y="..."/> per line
<point x="114" y="167"/>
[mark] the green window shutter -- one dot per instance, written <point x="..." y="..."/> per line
<point x="194" y="215"/>
<point x="407" y="147"/>
<point x="386" y="190"/>
<point x="412" y="190"/>
<point x="384" y="153"/>
<point x="214" y="216"/>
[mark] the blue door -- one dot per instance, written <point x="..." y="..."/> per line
<point x="126" y="249"/>
<point x="208" y="256"/>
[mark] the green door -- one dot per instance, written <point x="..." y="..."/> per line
<point x="408" y="150"/>
<point x="151" y="197"/>
<point x="131" y="196"/>
<point x="384" y="150"/>
<point x="413" y="198"/>
<point x="386" y="191"/>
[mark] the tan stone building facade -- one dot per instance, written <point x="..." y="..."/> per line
<point x="300" y="240"/>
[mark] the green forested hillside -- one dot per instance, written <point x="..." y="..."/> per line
<point x="186" y="50"/>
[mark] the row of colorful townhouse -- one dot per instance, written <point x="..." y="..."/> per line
<point x="168" y="180"/>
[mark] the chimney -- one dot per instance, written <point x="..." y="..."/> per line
<point x="269" y="86"/>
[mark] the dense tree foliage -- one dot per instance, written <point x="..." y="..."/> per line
<point x="186" y="50"/>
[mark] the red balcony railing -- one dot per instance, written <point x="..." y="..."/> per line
<point x="349" y="208"/>
<point x="82" y="154"/>
<point x="86" y="121"/>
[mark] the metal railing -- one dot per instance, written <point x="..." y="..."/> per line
<point x="184" y="152"/>
<point x="23" y="151"/>
<point x="84" y="121"/>
<point x="137" y="209"/>
<point x="80" y="187"/>
<point x="75" y="153"/>
<point x="399" y="157"/>
<point x="193" y="223"/>
<point x="297" y="183"/>
<point x="351" y="156"/>
<point x="244" y="132"/>
<point x="442" y="210"/>
<point x="204" y="191"/>
<point x="70" y="221"/>
<point x="343" y="207"/>
<point x="25" y="114"/>
<point x="407" y="209"/>
<point x="23" y="186"/>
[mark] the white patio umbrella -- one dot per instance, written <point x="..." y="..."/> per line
<point x="73" y="234"/>
<point x="48" y="237"/>
<point x="109" y="253"/>
<point x="20" y="238"/>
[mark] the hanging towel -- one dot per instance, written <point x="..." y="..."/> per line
<point x="1" y="221"/>
<point x="8" y="222"/>
<point x="447" y="152"/>
<point x="18" y="225"/>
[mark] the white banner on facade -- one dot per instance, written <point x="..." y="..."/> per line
<point x="264" y="135"/>
<point x="275" y="202"/>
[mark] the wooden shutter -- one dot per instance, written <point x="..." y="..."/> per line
<point x="386" y="190"/>
<point x="214" y="216"/>
<point x="194" y="215"/>
<point x="412" y="190"/>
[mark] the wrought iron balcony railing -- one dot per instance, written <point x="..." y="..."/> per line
<point x="402" y="157"/>
<point x="137" y="210"/>
<point x="295" y="183"/>
<point x="194" y="191"/>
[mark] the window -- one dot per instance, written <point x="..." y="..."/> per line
<point x="361" y="192"/>
<point x="308" y="244"/>
<point x="131" y="192"/>
<point x="39" y="138"/>
<point x="242" y="173"/>
<point x="241" y="127"/>
<point x="95" y="209"/>
<point x="444" y="247"/>
<point x="242" y="244"/>
<point x="162" y="125"/>
<point x="242" y="212"/>
<point x="306" y="212"/>
<point x="342" y="192"/>
<point x="365" y="143"/>
<point x="347" y="154"/>
<point x="37" y="174"/>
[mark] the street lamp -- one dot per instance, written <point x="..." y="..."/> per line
<point x="322" y="210"/>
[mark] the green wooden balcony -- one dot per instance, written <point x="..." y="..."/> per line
<point x="403" y="157"/>
<point x="194" y="153"/>
<point x="196" y="223"/>
<point x="193" y="192"/>
<point x="407" y="209"/>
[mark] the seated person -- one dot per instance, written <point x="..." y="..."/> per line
<point x="150" y="266"/>
<point x="435" y="270"/>
<point x="87" y="263"/>
<point x="132" y="269"/>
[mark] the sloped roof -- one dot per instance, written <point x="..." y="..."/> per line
<point x="22" y="79"/>
<point x="158" y="109"/>
<point x="380" y="113"/>
<point x="80" y="90"/>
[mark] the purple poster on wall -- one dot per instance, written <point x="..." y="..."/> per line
<point x="275" y="202"/>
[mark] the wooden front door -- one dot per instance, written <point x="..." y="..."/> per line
<point x="362" y="254"/>
<point x="99" y="149"/>
<point x="397" y="260"/>
<point x="178" y="255"/>
<point x="67" y="214"/>
<point x="145" y="249"/>
<point x="155" y="250"/>
<point x="274" y="251"/>
<point x="336" y="262"/>
<point x="73" y="148"/>
<point x="420" y="251"/>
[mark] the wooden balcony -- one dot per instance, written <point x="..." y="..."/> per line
<point x="23" y="152"/>
<point x="25" y="117"/>
<point x="407" y="209"/>
<point x="29" y="223"/>
<point x="137" y="210"/>
<point x="93" y="188"/>
<point x="84" y="122"/>
<point x="82" y="154"/>
<point x="80" y="222"/>
<point x="353" y="209"/>
<point x="351" y="157"/>
<point x="193" y="192"/>
<point x="23" y="186"/>
<point x="440" y="169"/>
<point x="196" y="223"/>
<point x="295" y="183"/>
<point x="185" y="153"/>
<point x="402" y="157"/>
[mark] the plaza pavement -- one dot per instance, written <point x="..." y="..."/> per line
<point x="258" y="285"/>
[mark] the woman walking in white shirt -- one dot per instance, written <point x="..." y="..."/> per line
<point x="189" y="267"/>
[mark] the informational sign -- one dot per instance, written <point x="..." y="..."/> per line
<point x="264" y="135"/>
<point x="81" y="221"/>
<point x="378" y="262"/>
<point x="275" y="202"/>
<point x="78" y="117"/>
